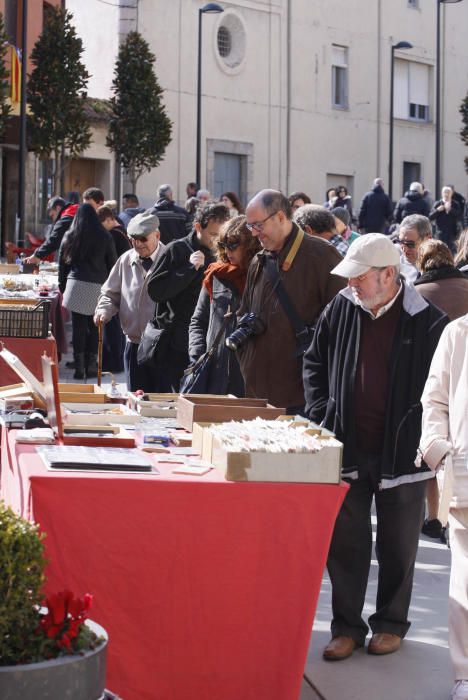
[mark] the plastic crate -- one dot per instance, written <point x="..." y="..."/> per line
<point x="25" y="322"/>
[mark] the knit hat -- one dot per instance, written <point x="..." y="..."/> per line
<point x="342" y="214"/>
<point x="370" y="250"/>
<point x="143" y="224"/>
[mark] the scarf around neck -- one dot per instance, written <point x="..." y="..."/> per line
<point x="232" y="274"/>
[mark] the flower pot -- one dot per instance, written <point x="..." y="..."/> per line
<point x="76" y="677"/>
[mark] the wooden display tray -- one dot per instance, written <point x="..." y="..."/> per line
<point x="205" y="409"/>
<point x="116" y="437"/>
<point x="154" y="405"/>
<point x="322" y="467"/>
<point x="82" y="393"/>
<point x="104" y="414"/>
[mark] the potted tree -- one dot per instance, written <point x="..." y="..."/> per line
<point x="48" y="648"/>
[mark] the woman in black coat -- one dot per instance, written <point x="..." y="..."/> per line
<point x="87" y="255"/>
<point x="221" y="293"/>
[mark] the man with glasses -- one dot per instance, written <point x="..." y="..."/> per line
<point x="125" y="292"/>
<point x="363" y="377"/>
<point x="413" y="230"/>
<point x="271" y="361"/>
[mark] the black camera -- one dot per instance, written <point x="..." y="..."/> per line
<point x="249" y="324"/>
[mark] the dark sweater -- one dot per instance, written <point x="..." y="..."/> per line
<point x="372" y="377"/>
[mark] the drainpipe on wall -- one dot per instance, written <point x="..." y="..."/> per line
<point x="379" y="91"/>
<point x="288" y="95"/>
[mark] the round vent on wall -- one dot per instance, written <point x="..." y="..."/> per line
<point x="230" y="41"/>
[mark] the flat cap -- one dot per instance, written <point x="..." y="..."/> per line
<point x="143" y="224"/>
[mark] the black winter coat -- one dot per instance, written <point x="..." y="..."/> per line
<point x="175" y="287"/>
<point x="330" y="369"/>
<point x="411" y="203"/>
<point x="173" y="220"/>
<point x="99" y="262"/>
<point x="207" y="321"/>
<point x="376" y="211"/>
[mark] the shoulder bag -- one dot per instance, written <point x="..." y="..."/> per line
<point x="195" y="379"/>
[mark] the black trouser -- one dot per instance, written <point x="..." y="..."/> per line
<point x="85" y="334"/>
<point x="400" y="512"/>
<point x="151" y="379"/>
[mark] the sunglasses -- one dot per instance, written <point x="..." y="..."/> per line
<point x="229" y="246"/>
<point x="406" y="244"/>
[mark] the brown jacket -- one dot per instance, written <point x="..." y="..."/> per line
<point x="268" y="361"/>
<point x="447" y="288"/>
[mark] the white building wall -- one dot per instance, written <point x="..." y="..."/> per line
<point x="249" y="105"/>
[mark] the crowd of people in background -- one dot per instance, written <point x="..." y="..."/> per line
<point x="328" y="312"/>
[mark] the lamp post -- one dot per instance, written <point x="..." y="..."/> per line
<point x="209" y="8"/>
<point x="437" y="116"/>
<point x="400" y="46"/>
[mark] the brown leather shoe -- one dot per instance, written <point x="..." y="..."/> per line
<point x="384" y="643"/>
<point x="339" y="648"/>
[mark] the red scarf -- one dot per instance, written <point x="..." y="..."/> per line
<point x="225" y="271"/>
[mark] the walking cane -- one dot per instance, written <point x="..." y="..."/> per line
<point x="99" y="370"/>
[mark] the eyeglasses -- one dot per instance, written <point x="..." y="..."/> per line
<point x="407" y="244"/>
<point x="142" y="239"/>
<point x="361" y="278"/>
<point x="230" y="246"/>
<point x="258" y="225"/>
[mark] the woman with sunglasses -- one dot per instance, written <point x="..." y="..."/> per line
<point x="221" y="293"/>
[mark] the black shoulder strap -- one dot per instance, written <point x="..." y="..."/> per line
<point x="272" y="275"/>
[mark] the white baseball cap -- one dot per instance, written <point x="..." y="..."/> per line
<point x="369" y="250"/>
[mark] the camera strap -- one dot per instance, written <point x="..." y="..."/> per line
<point x="302" y="332"/>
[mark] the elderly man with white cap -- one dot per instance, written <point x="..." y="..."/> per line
<point x="125" y="292"/>
<point x="363" y="377"/>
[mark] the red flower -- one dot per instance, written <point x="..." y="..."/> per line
<point x="64" y="618"/>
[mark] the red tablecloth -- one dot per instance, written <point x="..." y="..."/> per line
<point x="208" y="589"/>
<point x="29" y="351"/>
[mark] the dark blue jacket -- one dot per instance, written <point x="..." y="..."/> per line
<point x="376" y="211"/>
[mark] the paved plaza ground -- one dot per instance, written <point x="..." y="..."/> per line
<point x="420" y="670"/>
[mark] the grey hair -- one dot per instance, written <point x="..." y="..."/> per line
<point x="419" y="223"/>
<point x="203" y="193"/>
<point x="378" y="181"/>
<point x="164" y="191"/>
<point x="319" y="219"/>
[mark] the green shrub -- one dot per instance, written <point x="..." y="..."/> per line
<point x="22" y="564"/>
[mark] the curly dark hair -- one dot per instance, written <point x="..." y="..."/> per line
<point x="211" y="212"/>
<point x="299" y="195"/>
<point x="236" y="231"/>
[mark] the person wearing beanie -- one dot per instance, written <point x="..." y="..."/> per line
<point x="380" y="334"/>
<point x="125" y="292"/>
<point x="342" y="224"/>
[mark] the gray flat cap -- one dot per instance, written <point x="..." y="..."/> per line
<point x="143" y="224"/>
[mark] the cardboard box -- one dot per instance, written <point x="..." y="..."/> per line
<point x="322" y="467"/>
<point x="205" y="409"/>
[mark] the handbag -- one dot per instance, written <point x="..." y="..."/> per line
<point x="153" y="346"/>
<point x="196" y="377"/>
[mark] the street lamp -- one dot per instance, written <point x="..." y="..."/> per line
<point x="208" y="9"/>
<point x="437" y="119"/>
<point x="400" y="46"/>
